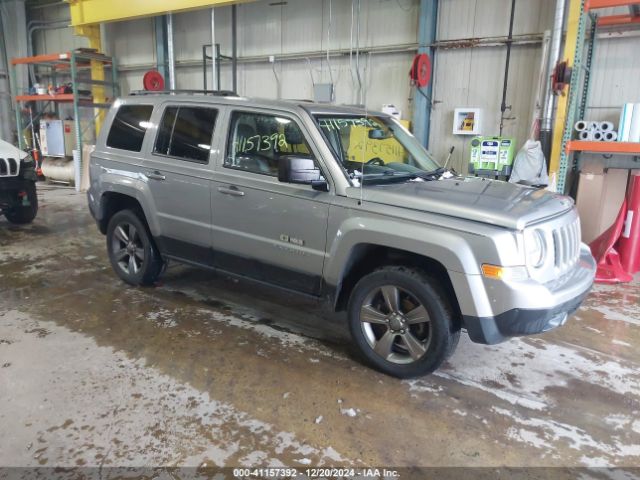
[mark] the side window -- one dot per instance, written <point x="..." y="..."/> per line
<point x="185" y="132"/>
<point x="129" y="126"/>
<point x="257" y="142"/>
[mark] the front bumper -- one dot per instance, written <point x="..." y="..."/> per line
<point x="535" y="308"/>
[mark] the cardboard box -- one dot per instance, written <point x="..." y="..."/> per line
<point x="600" y="196"/>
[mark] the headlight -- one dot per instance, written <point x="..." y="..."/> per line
<point x="535" y="247"/>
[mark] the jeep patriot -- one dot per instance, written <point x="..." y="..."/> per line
<point x="340" y="204"/>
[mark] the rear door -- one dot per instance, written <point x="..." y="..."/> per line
<point x="178" y="171"/>
<point x="265" y="229"/>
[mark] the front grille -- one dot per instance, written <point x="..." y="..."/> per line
<point x="8" y="167"/>
<point x="566" y="243"/>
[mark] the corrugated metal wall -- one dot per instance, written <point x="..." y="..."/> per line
<point x="464" y="77"/>
<point x="300" y="27"/>
<point x="473" y="77"/>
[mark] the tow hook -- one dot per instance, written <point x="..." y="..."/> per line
<point x="25" y="198"/>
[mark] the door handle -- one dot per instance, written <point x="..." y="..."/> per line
<point x="156" y="175"/>
<point x="231" y="191"/>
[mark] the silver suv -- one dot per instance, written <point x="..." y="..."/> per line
<point x="340" y="204"/>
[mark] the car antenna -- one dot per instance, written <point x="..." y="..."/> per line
<point x="448" y="157"/>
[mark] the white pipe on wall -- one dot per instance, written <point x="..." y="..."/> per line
<point x="171" y="54"/>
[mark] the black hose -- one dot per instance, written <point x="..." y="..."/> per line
<point x="503" y="105"/>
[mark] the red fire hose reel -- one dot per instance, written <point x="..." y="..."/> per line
<point x="420" y="72"/>
<point x="561" y="77"/>
<point x="153" y="81"/>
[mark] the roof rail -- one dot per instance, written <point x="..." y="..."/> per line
<point x="217" y="93"/>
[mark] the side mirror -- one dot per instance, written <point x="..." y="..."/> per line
<point x="378" y="134"/>
<point x="300" y="170"/>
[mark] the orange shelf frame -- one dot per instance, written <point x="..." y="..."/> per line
<point x="60" y="97"/>
<point x="619" y="20"/>
<point x="47" y="58"/>
<point x="623" y="148"/>
<point x="594" y="4"/>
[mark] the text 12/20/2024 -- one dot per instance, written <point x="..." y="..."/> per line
<point x="317" y="473"/>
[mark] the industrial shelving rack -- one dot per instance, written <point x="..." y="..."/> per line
<point x="80" y="66"/>
<point x="578" y="94"/>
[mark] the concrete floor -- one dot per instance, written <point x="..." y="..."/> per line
<point x="207" y="370"/>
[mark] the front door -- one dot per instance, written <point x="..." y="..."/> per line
<point x="262" y="228"/>
<point x="179" y="177"/>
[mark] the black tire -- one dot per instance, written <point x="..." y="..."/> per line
<point x="129" y="240"/>
<point x="23" y="214"/>
<point x="436" y="335"/>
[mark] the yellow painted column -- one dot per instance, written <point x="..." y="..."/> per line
<point x="571" y="41"/>
<point x="92" y="32"/>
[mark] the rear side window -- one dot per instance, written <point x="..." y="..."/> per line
<point x="185" y="132"/>
<point x="129" y="126"/>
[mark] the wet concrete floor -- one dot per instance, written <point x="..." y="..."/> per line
<point x="206" y="370"/>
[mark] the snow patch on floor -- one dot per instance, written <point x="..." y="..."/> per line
<point x="543" y="433"/>
<point x="144" y="417"/>
<point x="497" y="370"/>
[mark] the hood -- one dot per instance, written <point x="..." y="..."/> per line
<point x="473" y="198"/>
<point x="9" y="151"/>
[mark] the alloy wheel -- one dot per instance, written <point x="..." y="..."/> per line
<point x="395" y="324"/>
<point x="127" y="248"/>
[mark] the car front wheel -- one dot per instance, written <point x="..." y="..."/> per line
<point x="401" y="322"/>
<point x="26" y="207"/>
<point x="132" y="253"/>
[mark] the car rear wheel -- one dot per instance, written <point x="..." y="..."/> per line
<point x="27" y="206"/>
<point x="132" y="252"/>
<point x="401" y="322"/>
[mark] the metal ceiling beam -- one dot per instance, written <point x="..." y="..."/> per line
<point x="91" y="12"/>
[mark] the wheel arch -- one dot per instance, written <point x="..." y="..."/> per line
<point x="114" y="201"/>
<point x="364" y="258"/>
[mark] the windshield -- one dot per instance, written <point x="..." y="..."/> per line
<point x="375" y="148"/>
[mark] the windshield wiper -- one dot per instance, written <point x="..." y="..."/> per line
<point x="396" y="175"/>
<point x="437" y="171"/>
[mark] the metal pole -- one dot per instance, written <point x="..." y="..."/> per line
<point x="77" y="157"/>
<point x="15" y="91"/>
<point x="503" y="105"/>
<point x="6" y="89"/>
<point x="568" y="100"/>
<point x="204" y="67"/>
<point x="234" y="48"/>
<point x="171" y="53"/>
<point x="114" y="79"/>
<point x="217" y="64"/>
<point x="161" y="46"/>
<point x="422" y="103"/>
<point x="214" y="78"/>
<point x="554" y="56"/>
